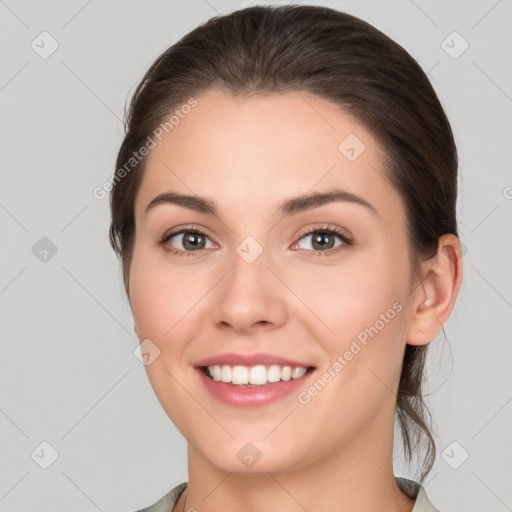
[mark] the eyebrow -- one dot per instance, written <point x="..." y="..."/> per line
<point x="289" y="206"/>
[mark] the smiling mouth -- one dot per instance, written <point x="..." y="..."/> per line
<point x="254" y="376"/>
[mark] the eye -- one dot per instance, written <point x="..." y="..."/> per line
<point x="187" y="240"/>
<point x="324" y="239"/>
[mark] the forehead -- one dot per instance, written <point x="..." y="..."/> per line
<point x="254" y="151"/>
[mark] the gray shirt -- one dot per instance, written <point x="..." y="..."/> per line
<point x="409" y="487"/>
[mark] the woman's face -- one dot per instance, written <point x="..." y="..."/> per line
<point x="266" y="281"/>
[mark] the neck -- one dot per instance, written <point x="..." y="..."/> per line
<point x="359" y="477"/>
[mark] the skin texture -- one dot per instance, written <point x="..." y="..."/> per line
<point x="248" y="155"/>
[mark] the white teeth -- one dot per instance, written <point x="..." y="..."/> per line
<point x="286" y="373"/>
<point x="217" y="372"/>
<point x="274" y="373"/>
<point x="226" y="373"/>
<point x="258" y="375"/>
<point x="240" y="375"/>
<point x="298" y="372"/>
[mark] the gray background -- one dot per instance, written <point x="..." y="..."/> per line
<point x="68" y="374"/>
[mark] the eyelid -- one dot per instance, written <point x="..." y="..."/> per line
<point x="189" y="228"/>
<point x="341" y="232"/>
<point x="334" y="230"/>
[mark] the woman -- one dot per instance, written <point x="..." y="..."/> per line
<point x="284" y="207"/>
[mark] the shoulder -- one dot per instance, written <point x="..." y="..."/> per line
<point x="167" y="502"/>
<point x="415" y="490"/>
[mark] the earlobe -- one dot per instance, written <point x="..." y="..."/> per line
<point x="435" y="297"/>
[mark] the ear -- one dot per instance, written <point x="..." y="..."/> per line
<point x="434" y="297"/>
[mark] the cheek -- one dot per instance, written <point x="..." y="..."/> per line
<point x="158" y="298"/>
<point x="168" y="305"/>
<point x="161" y="307"/>
<point x="354" y="294"/>
<point x="364" y="355"/>
<point x="146" y="298"/>
<point x="364" y="308"/>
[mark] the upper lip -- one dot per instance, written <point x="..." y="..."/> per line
<point x="233" y="359"/>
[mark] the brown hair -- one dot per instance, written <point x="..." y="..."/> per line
<point x="340" y="58"/>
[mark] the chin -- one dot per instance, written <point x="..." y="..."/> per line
<point x="252" y="457"/>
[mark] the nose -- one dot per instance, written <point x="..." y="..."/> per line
<point x="250" y="297"/>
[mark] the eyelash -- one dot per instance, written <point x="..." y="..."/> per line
<point x="325" y="230"/>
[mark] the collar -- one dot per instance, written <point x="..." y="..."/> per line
<point x="409" y="487"/>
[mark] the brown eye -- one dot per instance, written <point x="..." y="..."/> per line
<point x="186" y="240"/>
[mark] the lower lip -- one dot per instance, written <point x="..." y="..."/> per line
<point x="251" y="396"/>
